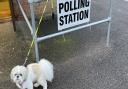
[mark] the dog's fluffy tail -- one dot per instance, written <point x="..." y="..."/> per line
<point x="47" y="69"/>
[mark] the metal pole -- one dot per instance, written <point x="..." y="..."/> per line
<point x="25" y="17"/>
<point x="39" y="39"/>
<point x="34" y="30"/>
<point x="64" y="38"/>
<point x="109" y="23"/>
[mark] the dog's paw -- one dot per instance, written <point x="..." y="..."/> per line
<point x="36" y="85"/>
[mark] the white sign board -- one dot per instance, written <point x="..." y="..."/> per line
<point x="72" y="12"/>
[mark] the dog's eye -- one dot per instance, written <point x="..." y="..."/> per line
<point x="15" y="74"/>
<point x="20" y="74"/>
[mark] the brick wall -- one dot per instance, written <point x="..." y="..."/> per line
<point x="38" y="8"/>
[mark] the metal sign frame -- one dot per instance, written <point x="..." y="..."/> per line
<point x="39" y="39"/>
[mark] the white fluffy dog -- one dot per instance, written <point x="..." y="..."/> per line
<point x="35" y="73"/>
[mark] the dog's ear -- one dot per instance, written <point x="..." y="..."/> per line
<point x="25" y="72"/>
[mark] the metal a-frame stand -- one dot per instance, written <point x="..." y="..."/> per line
<point x="39" y="39"/>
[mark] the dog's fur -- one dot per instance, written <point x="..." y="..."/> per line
<point x="35" y="73"/>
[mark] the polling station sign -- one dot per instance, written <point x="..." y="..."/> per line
<point x="72" y="12"/>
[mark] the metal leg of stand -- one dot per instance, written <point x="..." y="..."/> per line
<point x="109" y="24"/>
<point x="34" y="30"/>
<point x="64" y="38"/>
<point x="108" y="33"/>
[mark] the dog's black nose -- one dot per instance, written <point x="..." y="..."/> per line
<point x="17" y="76"/>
